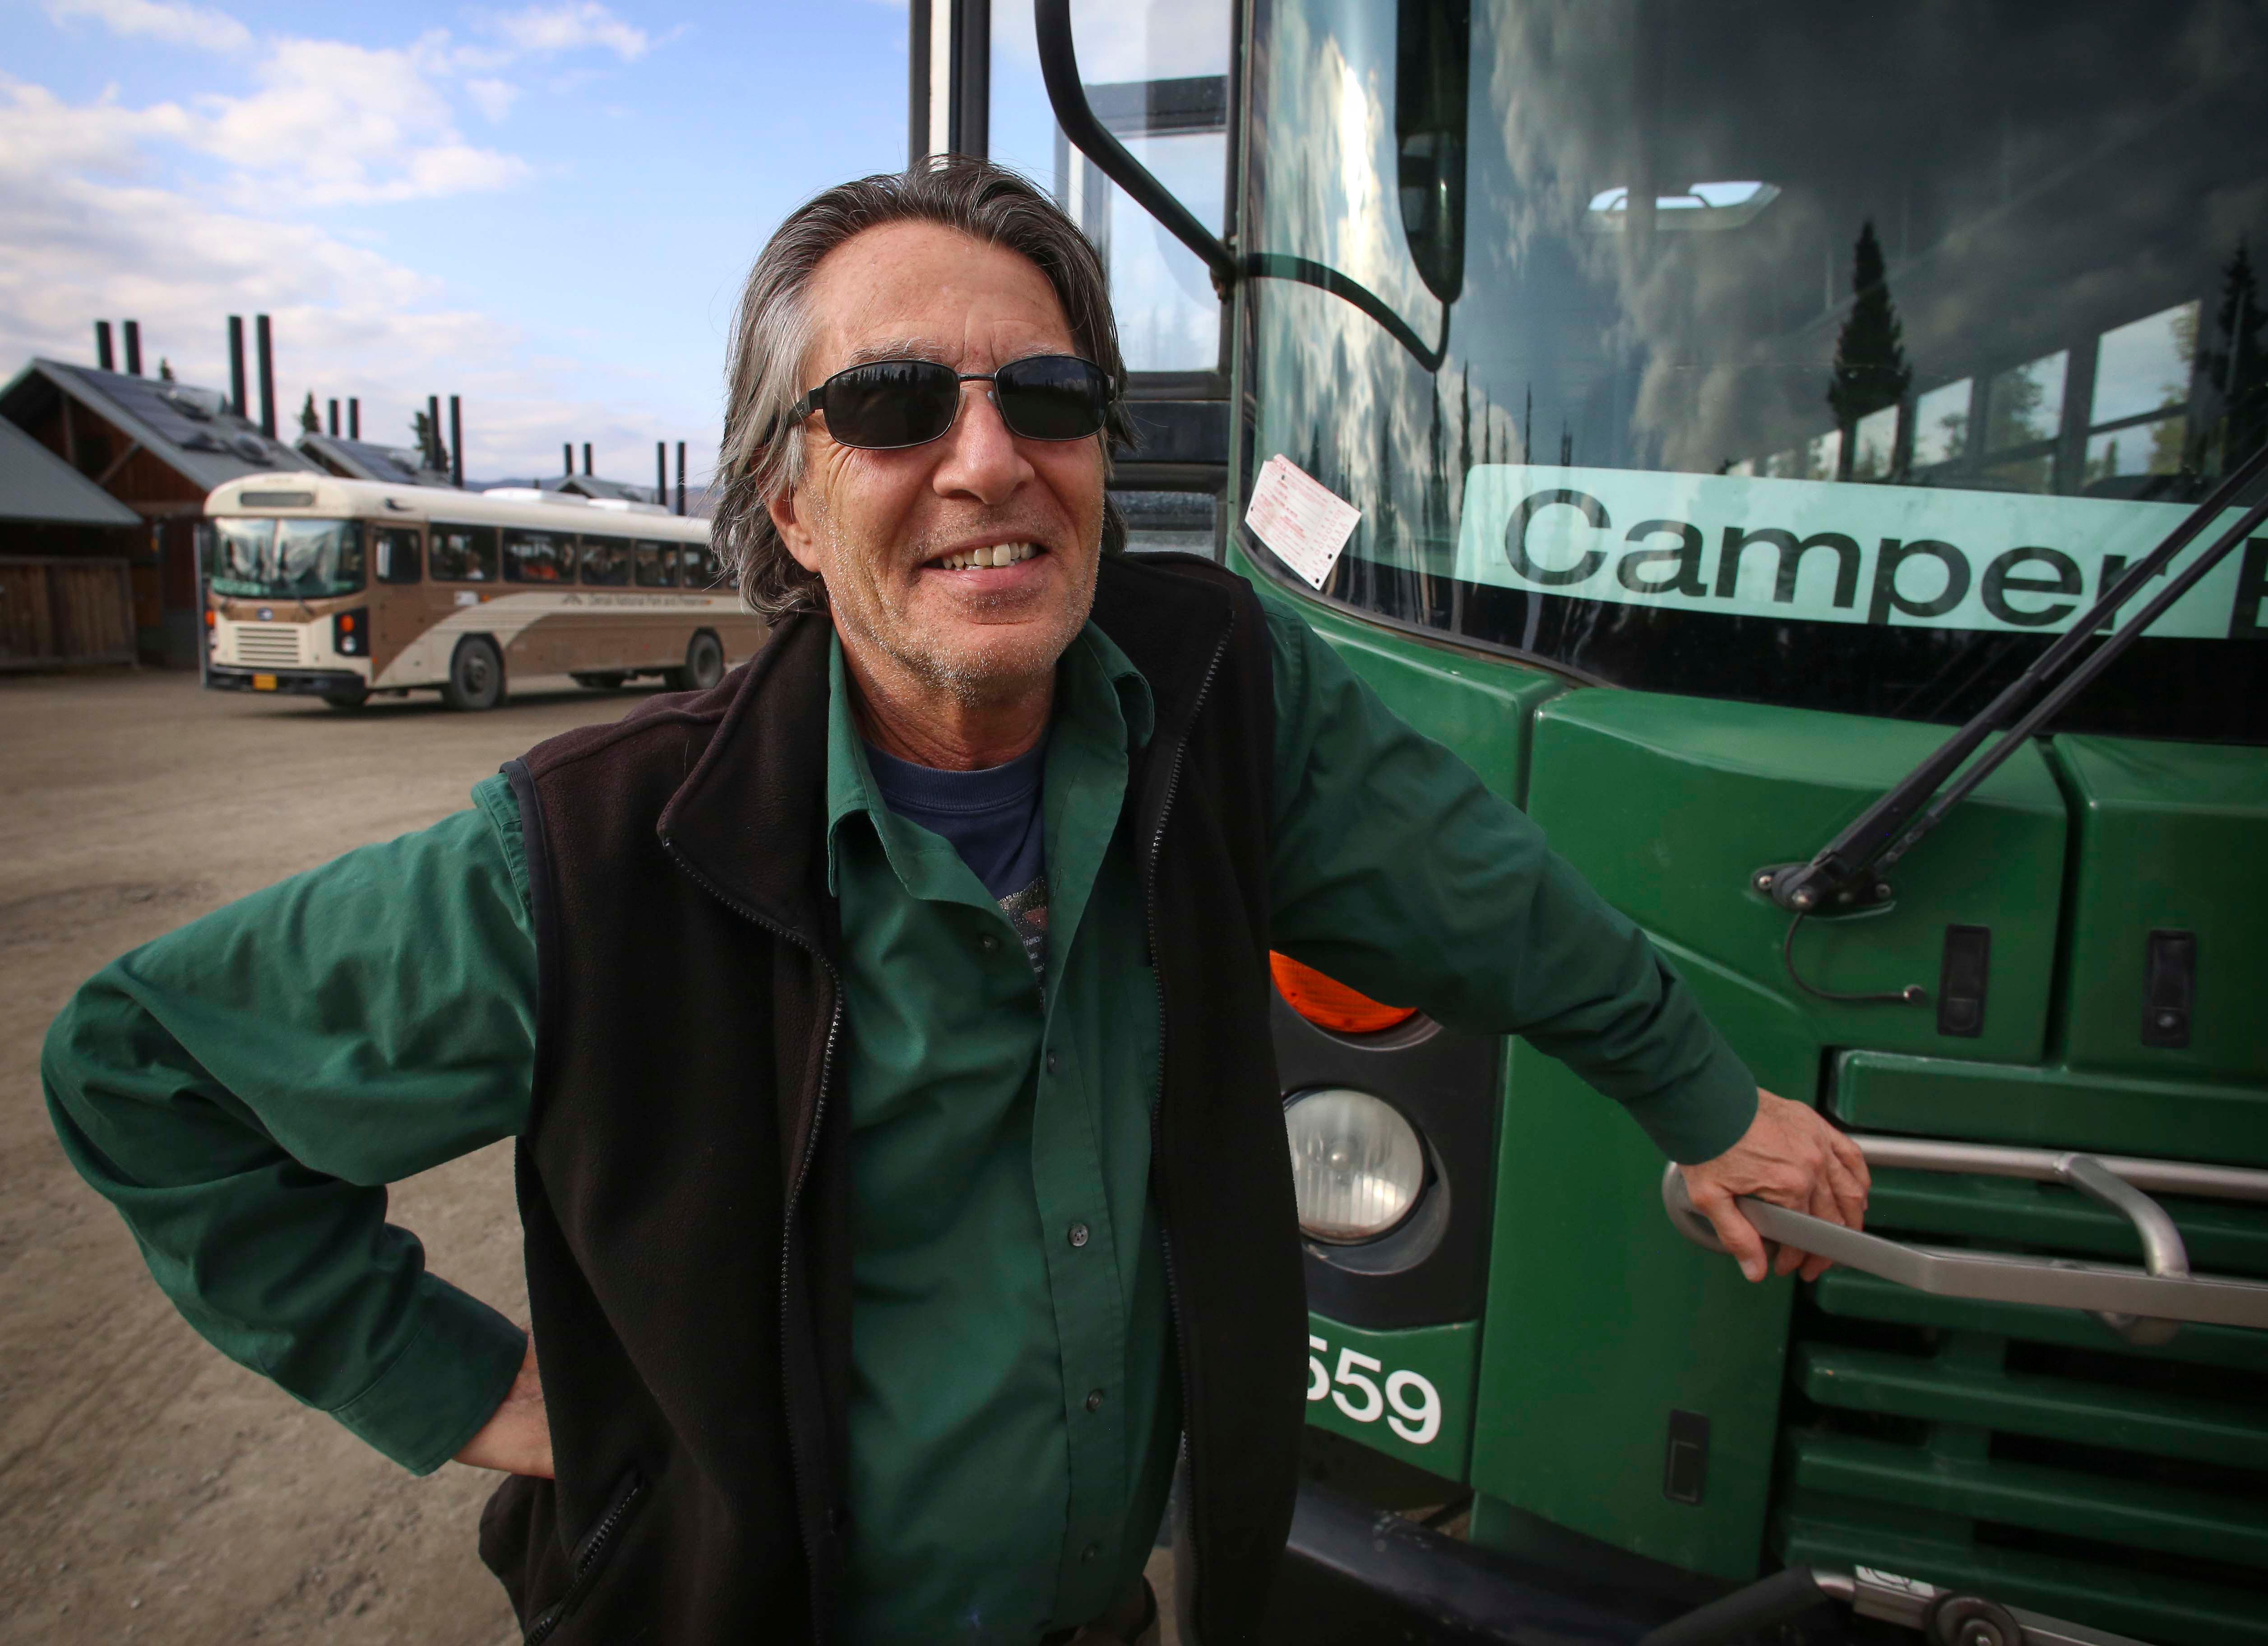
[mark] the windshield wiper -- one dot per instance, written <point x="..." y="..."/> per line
<point x="1846" y="875"/>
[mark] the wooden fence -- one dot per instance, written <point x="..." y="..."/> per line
<point x="62" y="612"/>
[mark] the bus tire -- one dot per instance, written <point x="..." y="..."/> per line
<point x="348" y="700"/>
<point x="476" y="675"/>
<point x="704" y="664"/>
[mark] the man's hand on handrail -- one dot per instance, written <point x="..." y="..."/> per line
<point x="1791" y="1158"/>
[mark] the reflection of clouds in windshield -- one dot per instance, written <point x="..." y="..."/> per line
<point x="1330" y="81"/>
<point x="1999" y="224"/>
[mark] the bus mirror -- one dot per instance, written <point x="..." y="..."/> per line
<point x="1432" y="45"/>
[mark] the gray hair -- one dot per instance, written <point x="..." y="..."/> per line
<point x="762" y="455"/>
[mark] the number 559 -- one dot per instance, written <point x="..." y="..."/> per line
<point x="1416" y="1404"/>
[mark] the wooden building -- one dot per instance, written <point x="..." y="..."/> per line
<point x="67" y="548"/>
<point x="159" y="448"/>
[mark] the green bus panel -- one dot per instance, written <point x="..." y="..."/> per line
<point x="2172" y="837"/>
<point x="1669" y="805"/>
<point x="1481" y="708"/>
<point x="1601" y="1322"/>
<point x="1406" y="1393"/>
<point x="2171" y="1117"/>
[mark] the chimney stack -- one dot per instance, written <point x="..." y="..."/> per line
<point x="661" y="473"/>
<point x="133" y="349"/>
<point x="264" y="345"/>
<point x="567" y="458"/>
<point x="354" y="418"/>
<point x="237" y="403"/>
<point x="103" y="357"/>
<point x="456" y="444"/>
<point x="334" y="418"/>
<point x="680" y="477"/>
<point x="433" y="457"/>
<point x="586" y="457"/>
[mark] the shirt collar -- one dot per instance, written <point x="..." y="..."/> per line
<point x="1097" y="686"/>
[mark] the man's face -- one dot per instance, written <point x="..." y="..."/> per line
<point x="879" y="526"/>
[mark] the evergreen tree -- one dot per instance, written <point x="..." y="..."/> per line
<point x="309" y="423"/>
<point x="1870" y="360"/>
<point x="2238" y="368"/>
<point x="422" y="431"/>
<point x="164" y="370"/>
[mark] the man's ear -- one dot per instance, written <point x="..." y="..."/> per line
<point x="795" y="532"/>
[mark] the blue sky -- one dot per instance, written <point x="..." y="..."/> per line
<point x="544" y="208"/>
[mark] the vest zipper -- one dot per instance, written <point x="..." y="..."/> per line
<point x="795" y="1183"/>
<point x="1157" y="1102"/>
<point x="588" y="1561"/>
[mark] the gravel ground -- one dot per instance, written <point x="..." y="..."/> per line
<point x="149" y="1488"/>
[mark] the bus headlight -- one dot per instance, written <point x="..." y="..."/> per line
<point x="349" y="637"/>
<point x="1357" y="1165"/>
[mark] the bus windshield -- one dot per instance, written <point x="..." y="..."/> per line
<point x="285" y="560"/>
<point x="1833" y="357"/>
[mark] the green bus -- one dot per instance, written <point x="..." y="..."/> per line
<point x="1752" y="411"/>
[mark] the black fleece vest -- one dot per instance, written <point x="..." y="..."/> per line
<point x="683" y="1178"/>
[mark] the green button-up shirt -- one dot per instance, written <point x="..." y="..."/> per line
<point x="242" y="1089"/>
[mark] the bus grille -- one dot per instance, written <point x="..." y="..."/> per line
<point x="2033" y="1455"/>
<point x="265" y="645"/>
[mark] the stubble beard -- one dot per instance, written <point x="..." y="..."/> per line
<point x="972" y="678"/>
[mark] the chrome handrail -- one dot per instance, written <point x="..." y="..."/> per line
<point x="2146" y="1305"/>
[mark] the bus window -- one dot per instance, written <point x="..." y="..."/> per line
<point x="657" y="565"/>
<point x="464" y="554"/>
<point x="606" y="560"/>
<point x="538" y="557"/>
<point x="394" y="555"/>
<point x="698" y="567"/>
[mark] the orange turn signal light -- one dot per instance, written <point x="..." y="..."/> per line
<point x="346" y="624"/>
<point x="212" y="618"/>
<point x="1331" y="1004"/>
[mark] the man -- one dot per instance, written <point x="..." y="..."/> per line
<point x="885" y="1031"/>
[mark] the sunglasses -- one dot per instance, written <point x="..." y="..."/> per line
<point x="888" y="404"/>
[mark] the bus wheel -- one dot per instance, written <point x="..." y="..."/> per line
<point x="704" y="665"/>
<point x="476" y="675"/>
<point x="348" y="700"/>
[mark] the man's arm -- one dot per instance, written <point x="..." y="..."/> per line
<point x="242" y="1090"/>
<point x="1398" y="871"/>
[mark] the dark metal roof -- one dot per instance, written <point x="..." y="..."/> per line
<point x="192" y="431"/>
<point x="35" y="484"/>
<point x="596" y="485"/>
<point x="366" y="459"/>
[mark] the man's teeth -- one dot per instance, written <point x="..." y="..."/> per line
<point x="997" y="554"/>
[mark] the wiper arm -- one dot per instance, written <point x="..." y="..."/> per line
<point x="1086" y="133"/>
<point x="1844" y="872"/>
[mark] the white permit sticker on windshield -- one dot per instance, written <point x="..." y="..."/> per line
<point x="1302" y="521"/>
<point x="1820" y="552"/>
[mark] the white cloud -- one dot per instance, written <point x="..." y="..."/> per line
<point x="546" y="30"/>
<point x="160" y="20"/>
<point x="493" y="98"/>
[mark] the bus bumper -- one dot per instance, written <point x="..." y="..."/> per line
<point x="1353" y="1574"/>
<point x="303" y="682"/>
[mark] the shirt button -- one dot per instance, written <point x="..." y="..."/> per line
<point x="1055" y="1063"/>
<point x="987" y="943"/>
<point x="1090" y="1551"/>
<point x="1078" y="1234"/>
<point x="1094" y="1400"/>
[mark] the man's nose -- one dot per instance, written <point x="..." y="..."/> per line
<point x="981" y="458"/>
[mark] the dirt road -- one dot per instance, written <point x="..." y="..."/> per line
<point x="149" y="1488"/>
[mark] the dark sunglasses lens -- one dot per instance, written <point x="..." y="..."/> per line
<point x="891" y="403"/>
<point x="1052" y="397"/>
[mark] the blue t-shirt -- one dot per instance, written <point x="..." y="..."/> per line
<point x="992" y="818"/>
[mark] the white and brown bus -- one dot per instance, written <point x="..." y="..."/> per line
<point x="341" y="588"/>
